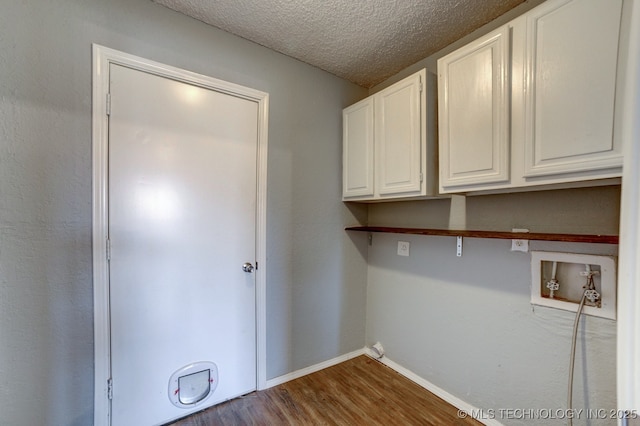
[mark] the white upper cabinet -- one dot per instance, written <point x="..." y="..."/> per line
<point x="533" y="103"/>
<point x="398" y="140"/>
<point x="357" y="149"/>
<point x="385" y="143"/>
<point x="571" y="54"/>
<point x="473" y="91"/>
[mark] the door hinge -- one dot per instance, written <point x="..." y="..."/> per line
<point x="110" y="388"/>
<point x="256" y="265"/>
<point x="108" y="247"/>
<point x="420" y="85"/>
<point x="108" y="103"/>
<point x="421" y="177"/>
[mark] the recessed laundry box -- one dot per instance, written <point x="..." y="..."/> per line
<point x="193" y="384"/>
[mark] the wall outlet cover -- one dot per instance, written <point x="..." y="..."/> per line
<point x="520" y="245"/>
<point x="403" y="248"/>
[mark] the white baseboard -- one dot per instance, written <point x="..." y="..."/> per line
<point x="469" y="409"/>
<point x="312" y="369"/>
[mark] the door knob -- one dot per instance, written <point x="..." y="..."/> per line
<point x="247" y="267"/>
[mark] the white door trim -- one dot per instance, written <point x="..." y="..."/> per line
<point x="628" y="344"/>
<point x="102" y="58"/>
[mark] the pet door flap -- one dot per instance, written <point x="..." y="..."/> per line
<point x="193" y="384"/>
<point x="194" y="387"/>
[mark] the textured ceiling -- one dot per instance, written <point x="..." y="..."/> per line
<point x="363" y="41"/>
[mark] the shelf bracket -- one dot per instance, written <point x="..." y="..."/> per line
<point x="459" y="246"/>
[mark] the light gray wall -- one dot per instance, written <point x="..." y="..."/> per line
<point x="593" y="210"/>
<point x="316" y="273"/>
<point x="466" y="324"/>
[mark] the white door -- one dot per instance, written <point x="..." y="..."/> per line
<point x="182" y="206"/>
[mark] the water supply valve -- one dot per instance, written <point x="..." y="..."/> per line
<point x="553" y="286"/>
<point x="592" y="296"/>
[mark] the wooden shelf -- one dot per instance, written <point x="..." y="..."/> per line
<point x="573" y="238"/>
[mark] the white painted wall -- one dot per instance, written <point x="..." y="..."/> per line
<point x="316" y="274"/>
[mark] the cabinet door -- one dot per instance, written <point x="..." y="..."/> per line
<point x="357" y="150"/>
<point x="570" y="55"/>
<point x="473" y="117"/>
<point x="399" y="125"/>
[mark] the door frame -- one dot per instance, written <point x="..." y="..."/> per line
<point x="628" y="323"/>
<point x="103" y="57"/>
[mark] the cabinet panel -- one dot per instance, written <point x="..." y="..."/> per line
<point x="474" y="113"/>
<point x="357" y="150"/>
<point x="570" y="76"/>
<point x="398" y="137"/>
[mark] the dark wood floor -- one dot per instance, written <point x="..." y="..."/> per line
<point x="360" y="391"/>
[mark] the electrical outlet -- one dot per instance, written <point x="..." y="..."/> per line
<point x="520" y="245"/>
<point x="403" y="248"/>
